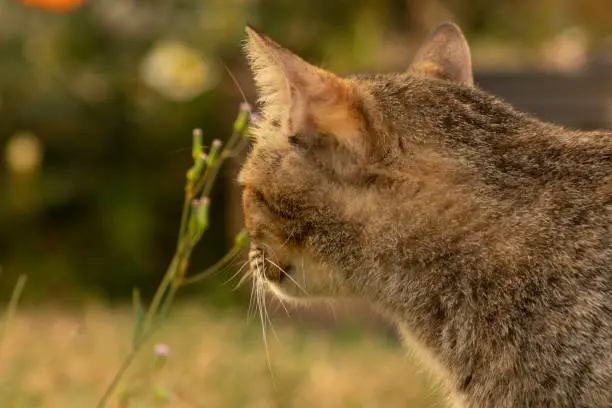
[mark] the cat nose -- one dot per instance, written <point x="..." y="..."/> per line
<point x="256" y="261"/>
<point x="261" y="267"/>
<point x="272" y="272"/>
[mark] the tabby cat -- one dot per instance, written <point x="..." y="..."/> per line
<point x="484" y="233"/>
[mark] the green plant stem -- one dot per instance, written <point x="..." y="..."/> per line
<point x="165" y="307"/>
<point x="185" y="215"/>
<point x="171" y="272"/>
<point x="174" y="277"/>
<point x="233" y="140"/>
<point x="175" y="284"/>
<point x="214" y="170"/>
<point x="12" y="306"/>
<point x="199" y="186"/>
<point x="127" y="361"/>
<point x="231" y="254"/>
<point x="210" y="174"/>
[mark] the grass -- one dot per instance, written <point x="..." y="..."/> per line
<point x="64" y="359"/>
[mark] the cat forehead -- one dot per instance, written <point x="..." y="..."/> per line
<point x="377" y="79"/>
<point x="385" y="83"/>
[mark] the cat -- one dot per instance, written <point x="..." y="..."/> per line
<point x="484" y="233"/>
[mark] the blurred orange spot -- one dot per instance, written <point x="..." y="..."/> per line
<point x="53" y="5"/>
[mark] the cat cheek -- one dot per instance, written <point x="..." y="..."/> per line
<point x="257" y="219"/>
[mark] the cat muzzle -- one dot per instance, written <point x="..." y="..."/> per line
<point x="262" y="268"/>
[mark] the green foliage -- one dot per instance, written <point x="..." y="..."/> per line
<point x="105" y="90"/>
<point x="194" y="223"/>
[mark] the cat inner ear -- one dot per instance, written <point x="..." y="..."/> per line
<point x="444" y="55"/>
<point x="300" y="96"/>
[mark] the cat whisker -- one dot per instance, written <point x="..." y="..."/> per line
<point x="251" y="301"/>
<point x="280" y="300"/>
<point x="291" y="234"/>
<point x="265" y="309"/>
<point x="231" y="264"/>
<point x="282" y="303"/>
<point x="236" y="274"/>
<point x="290" y="277"/>
<point x="260" y="293"/>
<point x="331" y="308"/>
<point x="269" y="250"/>
<point x="243" y="279"/>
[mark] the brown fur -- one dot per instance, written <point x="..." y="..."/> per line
<point x="483" y="232"/>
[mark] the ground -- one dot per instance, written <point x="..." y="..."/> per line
<point x="65" y="359"/>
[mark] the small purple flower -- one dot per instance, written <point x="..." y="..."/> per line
<point x="205" y="201"/>
<point x="216" y="144"/>
<point x="203" y="156"/>
<point x="162" y="350"/>
<point x="245" y="107"/>
<point x="197" y="132"/>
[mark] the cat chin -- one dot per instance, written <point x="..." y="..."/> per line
<point x="286" y="291"/>
<point x="289" y="293"/>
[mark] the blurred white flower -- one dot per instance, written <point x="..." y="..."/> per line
<point x="567" y="51"/>
<point x="23" y="153"/>
<point x="177" y="71"/>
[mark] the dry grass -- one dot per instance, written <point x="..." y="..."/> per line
<point x="59" y="359"/>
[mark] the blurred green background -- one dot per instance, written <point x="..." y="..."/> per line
<point x="97" y="105"/>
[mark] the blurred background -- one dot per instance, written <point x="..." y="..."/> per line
<point x="98" y="100"/>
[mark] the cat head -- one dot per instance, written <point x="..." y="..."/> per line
<point x="321" y="150"/>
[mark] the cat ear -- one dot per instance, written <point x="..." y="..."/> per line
<point x="444" y="55"/>
<point x="296" y="93"/>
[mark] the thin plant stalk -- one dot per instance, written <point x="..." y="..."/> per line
<point x="194" y="222"/>
<point x="125" y="364"/>
<point x="12" y="306"/>
<point x="161" y="290"/>
<point x="227" y="258"/>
